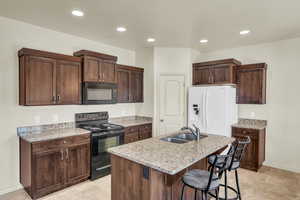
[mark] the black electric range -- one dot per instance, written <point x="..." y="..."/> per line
<point x="104" y="135"/>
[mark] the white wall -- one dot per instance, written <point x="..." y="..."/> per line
<point x="171" y="61"/>
<point x="283" y="97"/>
<point x="144" y="58"/>
<point x="13" y="36"/>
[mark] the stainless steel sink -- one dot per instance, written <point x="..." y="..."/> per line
<point x="181" y="138"/>
<point x="174" y="140"/>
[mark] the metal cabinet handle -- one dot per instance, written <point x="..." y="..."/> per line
<point x="62" y="154"/>
<point x="67" y="152"/>
<point x="58" y="98"/>
<point x="53" y="99"/>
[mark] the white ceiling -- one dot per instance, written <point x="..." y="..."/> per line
<point x="174" y="23"/>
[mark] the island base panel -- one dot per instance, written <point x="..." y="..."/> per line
<point x="132" y="181"/>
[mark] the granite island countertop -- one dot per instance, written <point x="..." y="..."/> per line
<point x="169" y="157"/>
<point x="251" y="124"/>
<point x="52" y="134"/>
<point x="131" y="120"/>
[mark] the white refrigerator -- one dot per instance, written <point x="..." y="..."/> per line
<point x="213" y="109"/>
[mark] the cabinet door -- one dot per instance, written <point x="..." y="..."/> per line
<point x="91" y="69"/>
<point x="78" y="163"/>
<point x="250" y="159"/>
<point x="251" y="85"/>
<point x="108" y="72"/>
<point x="222" y="74"/>
<point x="145" y="131"/>
<point x="48" y="172"/>
<point x="201" y="75"/>
<point x="68" y="82"/>
<point x="131" y="137"/>
<point x="123" y="86"/>
<point x="137" y="86"/>
<point x="40" y="81"/>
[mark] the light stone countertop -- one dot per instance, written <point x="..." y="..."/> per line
<point x="251" y="124"/>
<point x="169" y="157"/>
<point x="53" y="134"/>
<point x="131" y="120"/>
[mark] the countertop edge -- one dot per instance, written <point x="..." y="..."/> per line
<point x="173" y="172"/>
<point x="56" y="137"/>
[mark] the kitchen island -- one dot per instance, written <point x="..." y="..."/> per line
<point x="152" y="169"/>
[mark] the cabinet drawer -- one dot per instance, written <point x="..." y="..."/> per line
<point x="133" y="137"/>
<point x="146" y="128"/>
<point x="245" y="132"/>
<point x="60" y="143"/>
<point x="131" y="129"/>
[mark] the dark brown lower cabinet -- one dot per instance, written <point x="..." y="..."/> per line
<point x="132" y="181"/>
<point x="254" y="156"/>
<point x="52" y="165"/>
<point x="136" y="133"/>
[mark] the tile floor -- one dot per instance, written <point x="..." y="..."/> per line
<point x="267" y="184"/>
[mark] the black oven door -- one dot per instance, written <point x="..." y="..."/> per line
<point x="100" y="161"/>
<point x="99" y="93"/>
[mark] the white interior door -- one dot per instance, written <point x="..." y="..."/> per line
<point x="171" y="103"/>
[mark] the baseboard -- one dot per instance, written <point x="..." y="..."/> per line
<point x="10" y="189"/>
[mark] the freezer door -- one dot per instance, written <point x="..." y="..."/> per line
<point x="221" y="110"/>
<point x="215" y="107"/>
<point x="196" y="107"/>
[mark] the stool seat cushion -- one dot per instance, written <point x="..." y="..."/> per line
<point x="235" y="164"/>
<point x="199" y="179"/>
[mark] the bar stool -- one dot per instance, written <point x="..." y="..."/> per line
<point x="205" y="181"/>
<point x="235" y="153"/>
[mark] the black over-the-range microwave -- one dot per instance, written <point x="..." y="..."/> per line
<point x="99" y="93"/>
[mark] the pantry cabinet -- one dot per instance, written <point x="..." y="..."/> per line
<point x="48" y="78"/>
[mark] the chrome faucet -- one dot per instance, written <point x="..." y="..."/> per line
<point x="195" y="131"/>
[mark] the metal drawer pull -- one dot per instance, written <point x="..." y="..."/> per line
<point x="100" y="168"/>
<point x="62" y="154"/>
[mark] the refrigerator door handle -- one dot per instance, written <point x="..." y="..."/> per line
<point x="203" y="110"/>
<point x="206" y="123"/>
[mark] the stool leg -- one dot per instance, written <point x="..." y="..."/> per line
<point x="182" y="192"/>
<point x="196" y="195"/>
<point x="205" y="195"/>
<point x="217" y="193"/>
<point x="237" y="184"/>
<point x="226" y="196"/>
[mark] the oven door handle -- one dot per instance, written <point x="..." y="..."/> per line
<point x="101" y="168"/>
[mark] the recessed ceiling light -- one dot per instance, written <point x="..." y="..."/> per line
<point x="244" y="32"/>
<point x="77" y="13"/>
<point x="121" y="29"/>
<point x="151" y="39"/>
<point x="203" y="41"/>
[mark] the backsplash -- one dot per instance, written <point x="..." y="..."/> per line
<point x="40" y="128"/>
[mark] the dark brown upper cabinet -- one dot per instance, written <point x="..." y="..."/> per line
<point x="130" y="84"/>
<point x="48" y="78"/>
<point x="98" y="67"/>
<point x="251" y="83"/>
<point x="215" y="72"/>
